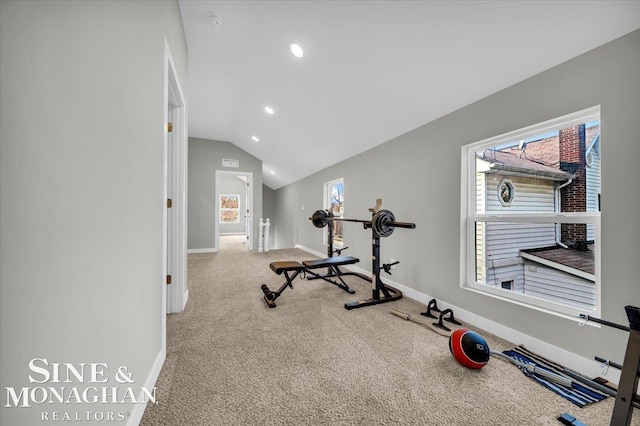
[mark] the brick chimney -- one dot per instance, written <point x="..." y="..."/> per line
<point x="574" y="196"/>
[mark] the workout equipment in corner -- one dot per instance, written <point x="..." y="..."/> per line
<point x="469" y="348"/>
<point x="333" y="267"/>
<point x="531" y="368"/>
<point x="334" y="273"/>
<point x="382" y="225"/>
<point x="582" y="391"/>
<point x="408" y="317"/>
<point x="450" y="318"/>
<point x="431" y="306"/>
<point x="630" y="371"/>
<point x="306" y="267"/>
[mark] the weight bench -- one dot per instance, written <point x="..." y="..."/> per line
<point x="333" y="270"/>
<point x="306" y="267"/>
<point x="281" y="268"/>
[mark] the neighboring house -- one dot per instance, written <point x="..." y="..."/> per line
<point x="559" y="173"/>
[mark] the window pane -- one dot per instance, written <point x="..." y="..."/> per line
<point x="552" y="172"/>
<point x="527" y="257"/>
<point x="335" y="204"/>
<point x="229" y="208"/>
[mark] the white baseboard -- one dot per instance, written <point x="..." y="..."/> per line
<point x="308" y="250"/>
<point x="586" y="366"/>
<point x="203" y="250"/>
<point x="149" y="383"/>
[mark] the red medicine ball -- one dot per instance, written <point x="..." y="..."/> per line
<point x="469" y="348"/>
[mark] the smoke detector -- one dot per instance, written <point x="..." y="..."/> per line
<point x="214" y="20"/>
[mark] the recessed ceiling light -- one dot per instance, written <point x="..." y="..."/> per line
<point x="255" y="138"/>
<point x="272" y="172"/>
<point x="269" y="110"/>
<point x="296" y="50"/>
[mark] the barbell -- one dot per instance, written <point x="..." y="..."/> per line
<point x="383" y="221"/>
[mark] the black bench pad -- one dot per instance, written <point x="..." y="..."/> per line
<point x="280" y="267"/>
<point x="330" y="261"/>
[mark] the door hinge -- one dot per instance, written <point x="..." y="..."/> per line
<point x="169" y="127"/>
<point x="168" y="279"/>
<point x="169" y="203"/>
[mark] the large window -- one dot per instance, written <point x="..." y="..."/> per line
<point x="531" y="213"/>
<point x="334" y="202"/>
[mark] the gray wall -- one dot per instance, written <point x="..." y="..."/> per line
<point x="418" y="177"/>
<point x="205" y="157"/>
<point x="81" y="167"/>
<point x="230" y="184"/>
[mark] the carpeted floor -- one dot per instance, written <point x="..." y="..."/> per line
<point x="233" y="361"/>
<point x="233" y="242"/>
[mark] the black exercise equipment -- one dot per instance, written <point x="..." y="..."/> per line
<point x="629" y="376"/>
<point x="333" y="267"/>
<point x="281" y="268"/>
<point x="382" y="224"/>
<point x="333" y="270"/>
<point x="562" y="370"/>
<point x="450" y="319"/>
<point x="431" y="306"/>
<point x="387" y="266"/>
<point x="306" y="267"/>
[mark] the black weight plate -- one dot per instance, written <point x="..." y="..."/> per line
<point x="382" y="223"/>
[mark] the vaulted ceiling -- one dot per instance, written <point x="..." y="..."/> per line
<point x="371" y="70"/>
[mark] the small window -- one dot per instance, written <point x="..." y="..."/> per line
<point x="541" y="243"/>
<point x="229" y="208"/>
<point x="334" y="202"/>
<point x="507" y="285"/>
<point x="505" y="192"/>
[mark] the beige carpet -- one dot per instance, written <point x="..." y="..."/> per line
<point x="233" y="361"/>
<point x="233" y="242"/>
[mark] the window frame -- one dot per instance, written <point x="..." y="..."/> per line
<point x="469" y="218"/>
<point x="327" y="206"/>
<point x="222" y="209"/>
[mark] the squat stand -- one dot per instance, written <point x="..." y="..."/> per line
<point x="389" y="294"/>
<point x="630" y="374"/>
<point x="334" y="272"/>
<point x="623" y="408"/>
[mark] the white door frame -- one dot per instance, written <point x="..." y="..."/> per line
<point x="249" y="196"/>
<point x="174" y="253"/>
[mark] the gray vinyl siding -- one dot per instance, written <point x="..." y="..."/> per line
<point x="481" y="269"/>
<point x="593" y="186"/>
<point x="497" y="241"/>
<point x="559" y="286"/>
<point x="530" y="195"/>
<point x="505" y="240"/>
<point x="495" y="276"/>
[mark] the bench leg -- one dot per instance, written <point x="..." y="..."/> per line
<point x="334" y="272"/>
<point x="271" y="296"/>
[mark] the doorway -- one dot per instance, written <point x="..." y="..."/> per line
<point x="175" y="288"/>
<point x="234" y="210"/>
